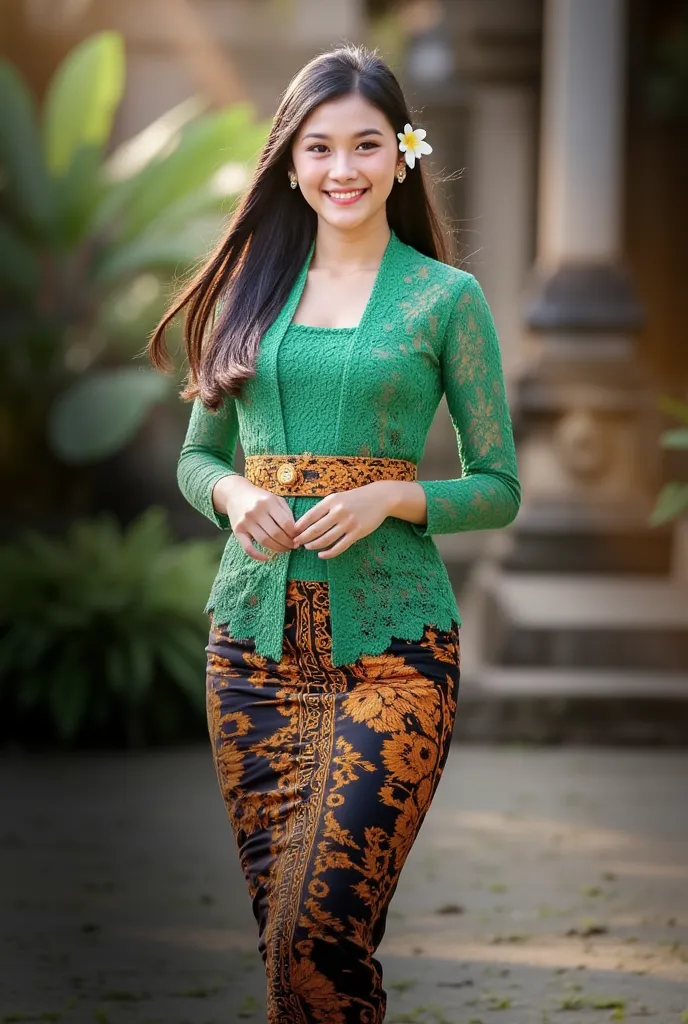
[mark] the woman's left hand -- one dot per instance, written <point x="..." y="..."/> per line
<point x="342" y="518"/>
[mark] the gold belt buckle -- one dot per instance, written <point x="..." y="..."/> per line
<point x="286" y="473"/>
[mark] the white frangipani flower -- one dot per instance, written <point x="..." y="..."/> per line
<point x="412" y="145"/>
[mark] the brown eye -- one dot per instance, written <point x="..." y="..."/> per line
<point x="321" y="145"/>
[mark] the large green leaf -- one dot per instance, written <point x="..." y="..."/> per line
<point x="128" y="315"/>
<point x="676" y="438"/>
<point x="82" y="99"/>
<point x="120" y="169"/>
<point x="131" y="156"/>
<point x="671" y="503"/>
<point x="204" y="146"/>
<point x="77" y="194"/>
<point x="19" y="269"/>
<point x="27" y="182"/>
<point x="204" y="202"/>
<point x="155" y="251"/>
<point x="102" y="412"/>
<point x="181" y="234"/>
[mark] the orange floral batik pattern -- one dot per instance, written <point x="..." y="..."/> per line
<point x="327" y="774"/>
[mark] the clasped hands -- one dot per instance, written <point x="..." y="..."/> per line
<point x="334" y="523"/>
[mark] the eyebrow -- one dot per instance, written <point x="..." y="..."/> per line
<point x="357" y="135"/>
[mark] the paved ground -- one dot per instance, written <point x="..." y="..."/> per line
<point x="543" y="881"/>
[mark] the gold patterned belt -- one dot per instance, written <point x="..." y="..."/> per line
<point x="315" y="475"/>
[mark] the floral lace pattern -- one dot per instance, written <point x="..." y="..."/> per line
<point x="488" y="493"/>
<point x="427" y="332"/>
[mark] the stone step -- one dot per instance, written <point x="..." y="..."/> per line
<point x="572" y="622"/>
<point x="510" y="715"/>
<point x="571" y="600"/>
<point x="568" y="703"/>
<point x="497" y="682"/>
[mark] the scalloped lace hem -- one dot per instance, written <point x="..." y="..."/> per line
<point x="347" y="647"/>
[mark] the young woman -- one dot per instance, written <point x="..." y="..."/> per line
<point x="333" y="657"/>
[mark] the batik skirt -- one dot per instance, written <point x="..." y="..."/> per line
<point x="327" y="774"/>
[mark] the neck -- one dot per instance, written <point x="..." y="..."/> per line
<point x="350" y="251"/>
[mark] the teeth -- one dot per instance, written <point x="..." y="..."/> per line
<point x="347" y="195"/>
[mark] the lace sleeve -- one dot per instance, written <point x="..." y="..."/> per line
<point x="207" y="454"/>
<point x="488" y="494"/>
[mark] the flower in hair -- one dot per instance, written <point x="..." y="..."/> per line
<point x="412" y="145"/>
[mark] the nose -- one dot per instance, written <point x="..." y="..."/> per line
<point x="342" y="170"/>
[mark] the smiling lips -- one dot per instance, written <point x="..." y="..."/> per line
<point x="346" y="198"/>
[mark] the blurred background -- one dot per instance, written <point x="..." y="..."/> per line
<point x="128" y="131"/>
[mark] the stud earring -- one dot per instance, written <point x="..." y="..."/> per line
<point x="293" y="181"/>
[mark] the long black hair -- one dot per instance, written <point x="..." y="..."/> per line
<point x="255" y="265"/>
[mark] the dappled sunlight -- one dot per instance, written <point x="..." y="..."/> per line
<point x="427" y="941"/>
<point x="649" y="869"/>
<point x="476" y="826"/>
<point x="551" y="951"/>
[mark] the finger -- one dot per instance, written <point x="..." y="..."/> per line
<point x="284" y="522"/>
<point x="333" y="534"/>
<point x="247" y="544"/>
<point x="313" y="515"/>
<point x="268" y="515"/>
<point x="315" y="529"/>
<point x="264" y="535"/>
<point x="336" y="549"/>
<point x="312" y="532"/>
<point x="336" y="521"/>
<point x="284" y="504"/>
<point x="301" y="525"/>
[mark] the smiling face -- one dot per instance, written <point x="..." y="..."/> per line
<point x="345" y="157"/>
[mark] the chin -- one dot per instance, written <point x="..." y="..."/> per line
<point x="347" y="223"/>
<point x="347" y="216"/>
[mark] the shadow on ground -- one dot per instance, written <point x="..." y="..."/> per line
<point x="544" y="880"/>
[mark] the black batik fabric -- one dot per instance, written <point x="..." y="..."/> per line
<point x="327" y="774"/>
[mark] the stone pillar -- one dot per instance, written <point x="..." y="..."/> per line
<point x="576" y="600"/>
<point x="582" y="132"/>
<point x="588" y="454"/>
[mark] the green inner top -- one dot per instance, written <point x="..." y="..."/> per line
<point x="310" y="365"/>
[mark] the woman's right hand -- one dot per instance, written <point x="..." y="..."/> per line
<point x="255" y="514"/>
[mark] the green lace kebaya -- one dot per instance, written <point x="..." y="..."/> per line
<point x="427" y="330"/>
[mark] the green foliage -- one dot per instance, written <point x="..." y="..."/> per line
<point x="79" y="227"/>
<point x="27" y="188"/>
<point x="121" y="396"/>
<point x="673" y="498"/>
<point x="101" y="636"/>
<point x="82" y="100"/>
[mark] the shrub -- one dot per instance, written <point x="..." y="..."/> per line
<point x="672" y="501"/>
<point x="102" y="634"/>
